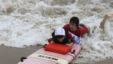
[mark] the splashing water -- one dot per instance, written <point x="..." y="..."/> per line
<point x="30" y="22"/>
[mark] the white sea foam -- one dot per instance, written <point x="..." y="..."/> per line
<point x="30" y="22"/>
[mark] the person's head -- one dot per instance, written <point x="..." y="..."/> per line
<point x="74" y="23"/>
<point x="59" y="34"/>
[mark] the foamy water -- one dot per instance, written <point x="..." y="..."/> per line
<point x="30" y="22"/>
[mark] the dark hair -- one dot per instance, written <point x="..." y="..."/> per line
<point x="74" y="21"/>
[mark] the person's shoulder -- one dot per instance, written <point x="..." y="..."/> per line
<point x="50" y="39"/>
<point x="66" y="26"/>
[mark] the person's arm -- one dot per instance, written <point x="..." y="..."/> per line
<point x="102" y="24"/>
<point x="75" y="38"/>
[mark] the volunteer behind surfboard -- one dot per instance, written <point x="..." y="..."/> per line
<point x="75" y="27"/>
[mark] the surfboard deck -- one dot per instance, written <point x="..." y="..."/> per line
<point x="45" y="57"/>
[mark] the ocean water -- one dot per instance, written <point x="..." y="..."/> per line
<point x="30" y="22"/>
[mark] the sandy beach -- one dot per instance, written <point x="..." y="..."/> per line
<point x="107" y="61"/>
<point x="11" y="55"/>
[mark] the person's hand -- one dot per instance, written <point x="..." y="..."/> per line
<point x="106" y="17"/>
<point x="76" y="39"/>
<point x="71" y="34"/>
<point x="103" y="22"/>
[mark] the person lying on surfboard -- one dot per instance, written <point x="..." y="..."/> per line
<point x="59" y="36"/>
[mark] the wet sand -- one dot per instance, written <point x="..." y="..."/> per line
<point x="107" y="61"/>
<point x="11" y="55"/>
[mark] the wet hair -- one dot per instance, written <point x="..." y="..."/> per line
<point x="74" y="21"/>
